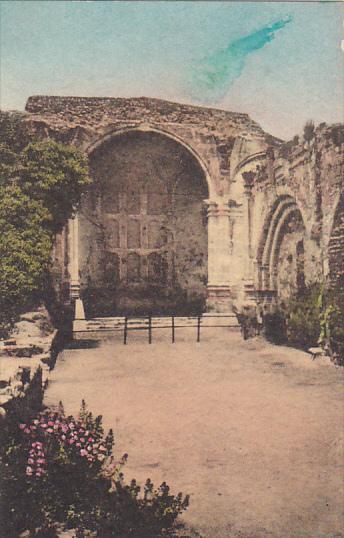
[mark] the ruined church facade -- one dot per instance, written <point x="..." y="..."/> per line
<point x="191" y="209"/>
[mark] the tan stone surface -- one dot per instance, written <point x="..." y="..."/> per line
<point x="252" y="431"/>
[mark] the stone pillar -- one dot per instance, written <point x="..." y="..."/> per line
<point x="218" y="289"/>
<point x="249" y="288"/>
<point x="73" y="227"/>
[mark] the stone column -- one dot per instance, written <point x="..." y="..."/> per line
<point x="218" y="289"/>
<point x="73" y="227"/>
<point x="249" y="288"/>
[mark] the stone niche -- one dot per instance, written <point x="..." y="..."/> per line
<point x="143" y="233"/>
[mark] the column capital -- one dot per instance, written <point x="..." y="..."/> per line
<point x="248" y="178"/>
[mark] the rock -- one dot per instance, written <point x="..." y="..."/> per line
<point x="32" y="316"/>
<point x="6" y="391"/>
<point x="10" y="342"/>
<point x="23" y="350"/>
<point x="5" y="398"/>
<point x="2" y="414"/>
<point x="26" y="329"/>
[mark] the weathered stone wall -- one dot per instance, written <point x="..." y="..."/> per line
<point x="310" y="175"/>
<point x="257" y="189"/>
<point x="84" y="122"/>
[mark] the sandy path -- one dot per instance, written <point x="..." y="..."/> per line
<point x="252" y="431"/>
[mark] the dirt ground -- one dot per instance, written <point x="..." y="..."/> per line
<point x="254" y="432"/>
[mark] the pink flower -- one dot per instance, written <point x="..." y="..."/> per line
<point x="63" y="437"/>
<point x="34" y="445"/>
<point x="82" y="439"/>
<point x="27" y="430"/>
<point x="102" y="448"/>
<point x="78" y="445"/>
<point x="28" y="470"/>
<point x="22" y="426"/>
<point x="56" y="426"/>
<point x="89" y="448"/>
<point x="64" y="428"/>
<point x="38" y="444"/>
<point x="36" y="421"/>
<point x="44" y="425"/>
<point x="90" y="439"/>
<point x="71" y="441"/>
<point x="50" y="430"/>
<point x="101" y="457"/>
<point x="83" y="452"/>
<point x="30" y="461"/>
<point x="50" y="423"/>
<point x="41" y="461"/>
<point x="71" y="425"/>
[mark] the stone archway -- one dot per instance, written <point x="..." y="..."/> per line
<point x="142" y="229"/>
<point x="281" y="252"/>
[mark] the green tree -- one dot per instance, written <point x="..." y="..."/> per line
<point x="55" y="175"/>
<point x="40" y="185"/>
<point x="25" y="246"/>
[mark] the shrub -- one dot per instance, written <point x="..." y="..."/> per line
<point x="303" y="313"/>
<point x="332" y="324"/>
<point x="275" y="327"/>
<point x="314" y="315"/>
<point x="61" y="470"/>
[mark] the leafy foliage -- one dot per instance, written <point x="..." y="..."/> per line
<point x="54" y="175"/>
<point x="25" y="246"/>
<point x="309" y="131"/>
<point x="313" y="316"/>
<point x="58" y="469"/>
<point x="303" y="316"/>
<point x="40" y="184"/>
<point x="332" y="324"/>
<point x="12" y="131"/>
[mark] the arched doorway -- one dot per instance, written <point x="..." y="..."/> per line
<point x="281" y="253"/>
<point x="143" y="234"/>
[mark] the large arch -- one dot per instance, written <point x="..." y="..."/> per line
<point x="143" y="235"/>
<point x="147" y="128"/>
<point x="280" y="254"/>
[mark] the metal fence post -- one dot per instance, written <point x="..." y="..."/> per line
<point x="198" y="328"/>
<point x="173" y="336"/>
<point x="150" y="329"/>
<point x="125" y="334"/>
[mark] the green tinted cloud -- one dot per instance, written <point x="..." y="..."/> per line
<point x="213" y="75"/>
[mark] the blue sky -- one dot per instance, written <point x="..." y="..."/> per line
<point x="279" y="61"/>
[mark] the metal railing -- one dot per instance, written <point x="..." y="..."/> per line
<point x="173" y="325"/>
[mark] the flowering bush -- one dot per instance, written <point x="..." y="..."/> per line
<point x="60" y="470"/>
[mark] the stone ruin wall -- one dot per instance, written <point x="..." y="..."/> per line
<point x="228" y="145"/>
<point x="313" y="174"/>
